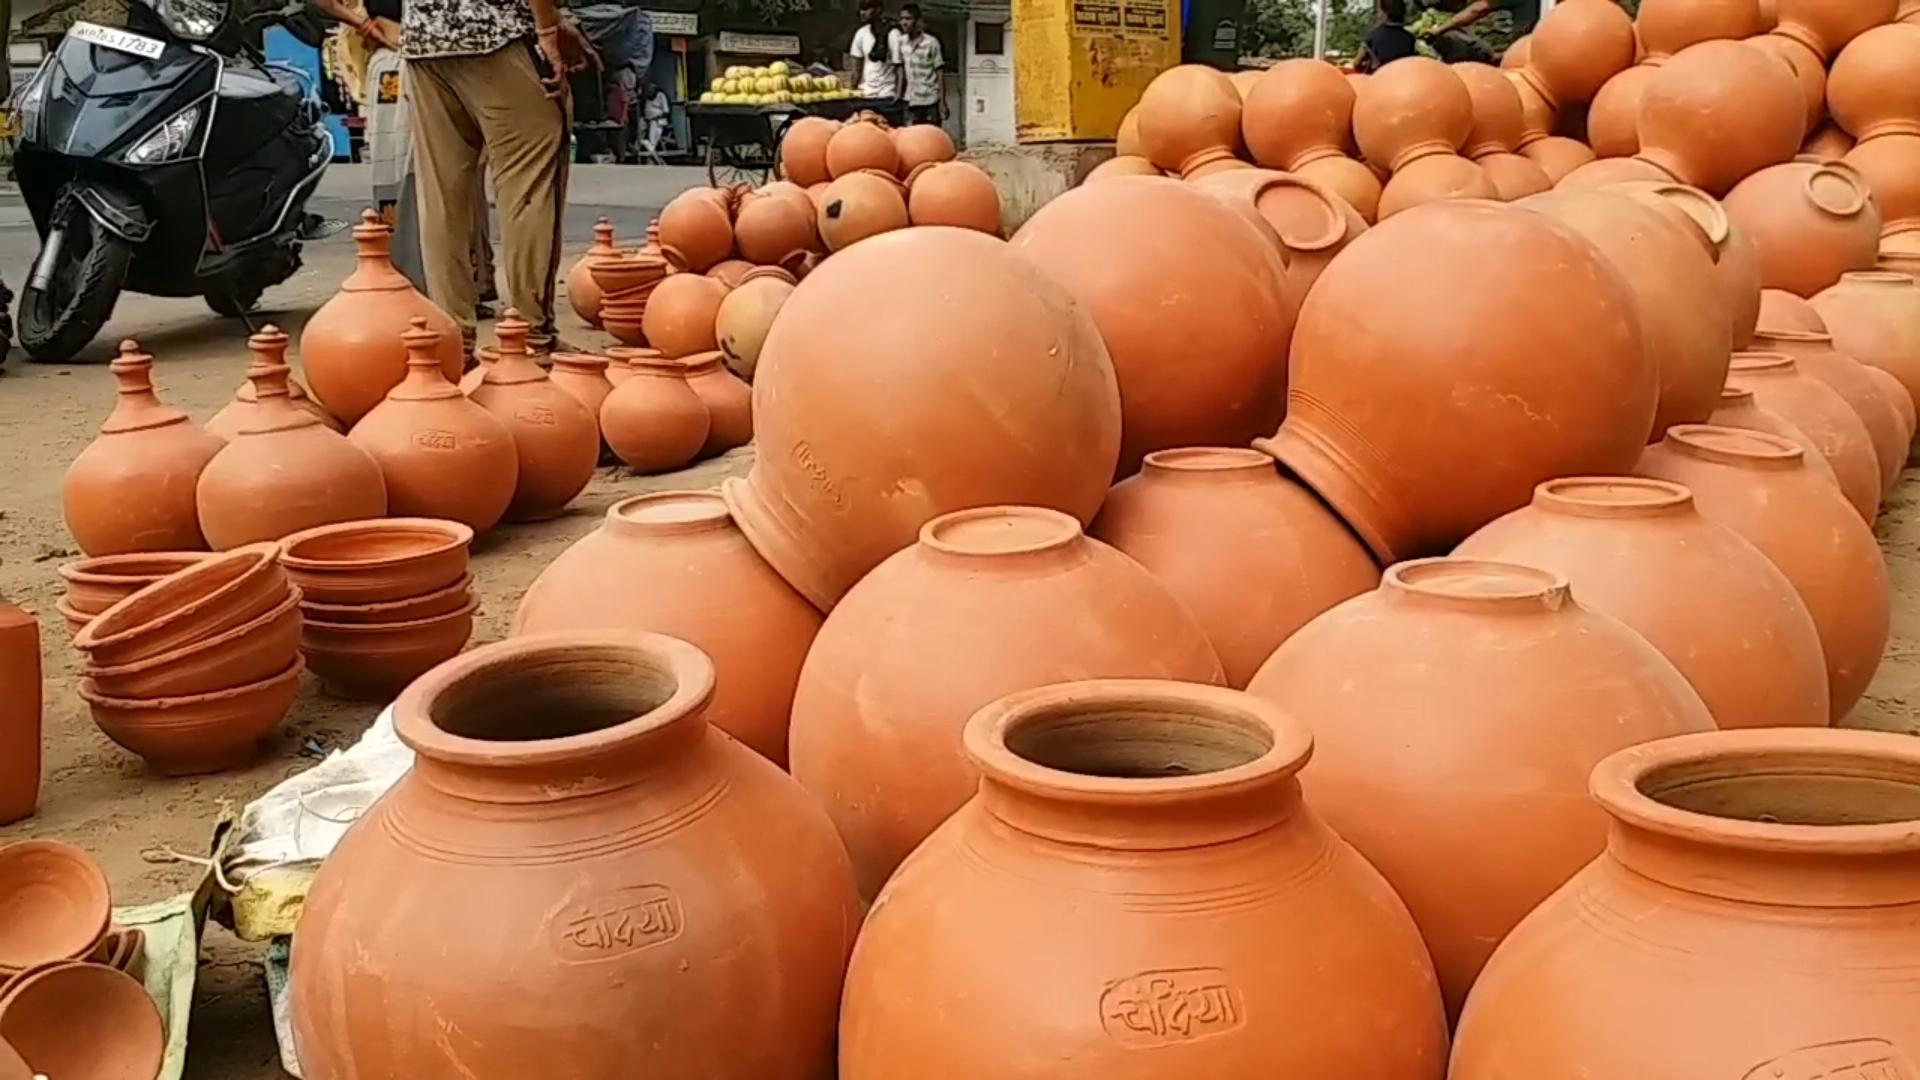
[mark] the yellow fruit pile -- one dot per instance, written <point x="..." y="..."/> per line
<point x="777" y="83"/>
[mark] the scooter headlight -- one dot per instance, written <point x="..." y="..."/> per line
<point x="172" y="139"/>
<point x="194" y="20"/>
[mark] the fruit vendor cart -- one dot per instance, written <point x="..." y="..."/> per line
<point x="740" y="143"/>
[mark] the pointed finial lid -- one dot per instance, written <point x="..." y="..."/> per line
<point x="274" y="409"/>
<point x="137" y="408"/>
<point x="375" y="272"/>
<point x="426" y="379"/>
<point x="515" y="364"/>
<point x="603" y="235"/>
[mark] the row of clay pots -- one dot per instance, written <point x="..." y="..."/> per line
<point x="664" y="413"/>
<point x="815" y="149"/>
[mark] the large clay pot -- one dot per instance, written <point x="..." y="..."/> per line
<point x="131" y="489"/>
<point x="1638" y="550"/>
<point x="1887" y="164"/>
<point x="1720" y="111"/>
<point x="1613" y="120"/>
<point x="803" y="150"/>
<point x="1815" y="356"/>
<point x="582" y="291"/>
<point x="1311" y="222"/>
<point x="860" y="205"/>
<point x="673" y="563"/>
<point x="1435" y="765"/>
<point x="696" y="229"/>
<point x="653" y="420"/>
<point x="1807" y="70"/>
<point x="1736" y="259"/>
<point x="1109" y="813"/>
<point x="556" y="438"/>
<point x="1186" y="110"/>
<point x="680" y="314"/>
<point x="1669" y="267"/>
<point x="1739" y="410"/>
<point x="922" y="144"/>
<point x="1122" y="165"/>
<point x="1435" y="178"/>
<point x="351" y="349"/>
<point x="285" y="471"/>
<point x="1667" y="26"/>
<point x="861" y="145"/>
<point x="1897" y="395"/>
<point x="1349" y="179"/>
<point x="1410" y="109"/>
<point x="660" y="900"/>
<point x="1251" y="553"/>
<point x="1611" y="171"/>
<point x="1747" y="919"/>
<point x="1870" y="90"/>
<point x="773" y="229"/>
<point x="1811" y="221"/>
<point x="1204" y="365"/>
<point x="1374" y="422"/>
<point x="443" y="456"/>
<point x="989" y="602"/>
<point x="584" y="376"/>
<point x="1826" y="26"/>
<point x="1577" y="46"/>
<point x="729" y="403"/>
<point x="1300" y="110"/>
<point x="746" y="317"/>
<point x="1875" y="318"/>
<point x="1782" y="310"/>
<point x="956" y="193"/>
<point x="1760" y="487"/>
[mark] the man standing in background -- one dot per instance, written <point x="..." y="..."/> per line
<point x="875" y="54"/>
<point x="926" y="83"/>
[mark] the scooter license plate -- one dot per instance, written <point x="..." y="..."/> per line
<point x="108" y="37"/>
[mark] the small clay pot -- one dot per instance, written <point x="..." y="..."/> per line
<point x="654" y="421"/>
<point x="746" y="317"/>
<point x="82" y="1021"/>
<point x="197" y="733"/>
<point x="372" y="562"/>
<point x="122" y="950"/>
<point x="858" y="206"/>
<point x="436" y="603"/>
<point x="374" y="661"/>
<point x="923" y="144"/>
<point x="255" y="650"/>
<point x="729" y="403"/>
<point x="94" y="585"/>
<point x="955" y="193"/>
<point x="55" y="904"/>
<point x="626" y="322"/>
<point x="859" y="146"/>
<point x="584" y="376"/>
<point x="206" y="599"/>
<point x="679" y="317"/>
<point x="622" y="275"/>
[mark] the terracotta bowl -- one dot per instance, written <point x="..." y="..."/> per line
<point x="54" y="904"/>
<point x="626" y="274"/>
<point x="201" y="733"/>
<point x="375" y="661"/>
<point x="84" y="1022"/>
<point x="206" y="599"/>
<point x="94" y="585"/>
<point x="123" y="950"/>
<point x="378" y="561"/>
<point x="243" y="655"/>
<point x="76" y="622"/>
<point x="440" y="602"/>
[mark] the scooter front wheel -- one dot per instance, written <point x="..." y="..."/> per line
<point x="61" y="315"/>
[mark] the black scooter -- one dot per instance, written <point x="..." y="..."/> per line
<point x="169" y="158"/>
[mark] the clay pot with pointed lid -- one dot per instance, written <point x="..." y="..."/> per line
<point x="233" y="416"/>
<point x="443" y="455"/>
<point x="1186" y="110"/>
<point x="956" y="193"/>
<point x="1435" y="767"/>
<point x="1720" y="111"/>
<point x="1577" y="47"/>
<point x="1639" y="551"/>
<point x="746" y="317"/>
<point x="1739" y="410"/>
<point x="1870" y="90"/>
<point x="803" y="150"/>
<point x="696" y="229"/>
<point x="1875" y="318"/>
<point x="1300" y="110"/>
<point x="653" y="420"/>
<point x="582" y="291"/>
<point x="1667" y="26"/>
<point x="729" y="403"/>
<point x="988" y="602"/>
<point x="1760" y="487"/>
<point x="555" y="437"/>
<point x="674" y="563"/>
<point x="351" y="349"/>
<point x="1613" y="119"/>
<point x="1811" y="221"/>
<point x="1814" y="355"/>
<point x="1738" y="864"/>
<point x="1825" y="27"/>
<point x="285" y="471"/>
<point x="1498" y="127"/>
<point x="131" y="489"/>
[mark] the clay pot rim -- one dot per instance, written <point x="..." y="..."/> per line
<point x="1706" y="212"/>
<point x="1818" y="191"/>
<point x="1805" y="337"/>
<point x="168" y="659"/>
<point x="93" y="696"/>
<point x="584" y="361"/>
<point x="150" y="1025"/>
<point x="1877" y="278"/>
<point x="1760" y="362"/>
<point x="689" y="668"/>
<point x="84" y="870"/>
<point x="702" y="362"/>
<point x="455" y="534"/>
<point x="465" y="584"/>
<point x="88" y="570"/>
<point x="1479" y="585"/>
<point x="708" y="512"/>
<point x="1209" y="460"/>
<point x="1046" y="529"/>
<point x="370" y="628"/>
<point x="1625" y="497"/>
<point x="265" y="558"/>
<point x="1738" y="447"/>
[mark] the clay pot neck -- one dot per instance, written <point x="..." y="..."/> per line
<point x="1735" y="447"/>
<point x="1137" y="765"/>
<point x="581" y="364"/>
<point x="512" y="365"/>
<point x="1803" y="37"/>
<point x="1876" y="279"/>
<point x="1009" y="538"/>
<point x="1901" y="264"/>
<point x="1476" y="586"/>
<point x="425" y="380"/>
<point x="663" y="514"/>
<point x="1813" y="818"/>
<point x="1614" y="498"/>
<point x="705" y="363"/>
<point x="273" y="408"/>
<point x="1215" y="466"/>
<point x="553" y="717"/>
<point x="1660" y="158"/>
<point x="137" y="408"/>
<point x="657" y="367"/>
<point x="1207" y="162"/>
<point x="375" y="272"/>
<point x="1762" y="365"/>
<point x="1528" y="80"/>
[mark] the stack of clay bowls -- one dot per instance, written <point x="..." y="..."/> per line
<point x="625" y="284"/>
<point x="94" y="585"/>
<point x="385" y="600"/>
<point x="192" y="671"/>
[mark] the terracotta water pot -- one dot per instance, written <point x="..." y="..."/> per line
<point x="1639" y="551"/>
<point x="1826" y="26"/>
<point x="1886" y="164"/>
<point x="1812" y="222"/>
<point x="803" y="150"/>
<point x="1739" y="410"/>
<point x="1808" y="71"/>
<point x="1499" y="126"/>
<point x="1816" y="409"/>
<point x="674" y="563"/>
<point x="861" y="145"/>
<point x="729" y="403"/>
<point x="1720" y="111"/>
<point x="1869" y="91"/>
<point x="443" y="455"/>
<point x="1556" y="155"/>
<point x="1612" y="171"/>
<point x="1312" y="223"/>
<point x="1577" y="46"/>
<point x="286" y="471"/>
<point x="745" y="318"/>
<point x="1529" y="287"/>
<point x="662" y="899"/>
<point x="1251" y="553"/>
<point x="1896" y="394"/>
<point x="131" y="489"/>
<point x="1186" y="110"/>
<point x="253" y="650"/>
<point x="1515" y="57"/>
<point x="1667" y="26"/>
<point x="1126" y="138"/>
<point x="1815" y="356"/>
<point x="1349" y="179"/>
<point x="351" y="349"/>
<point x="555" y="437"/>
<point x="680" y="313"/>
<point x="1436" y="766"/>
<point x="1122" y="165"/>
<point x="374" y="562"/>
<point x="196" y="734"/>
<point x="1014" y="402"/>
<point x="990" y="601"/>
<point x="1108" y="813"/>
<point x="697" y="225"/>
<point x="1409" y="110"/>
<point x="1736" y="259"/>
<point x="57" y="903"/>
<point x="922" y="144"/>
<point x="1759" y="486"/>
<point x="1190" y="374"/>
<point x="1875" y="318"/>
<point x="1826" y="143"/>
<point x="860" y="205"/>
<point x="584" y="377"/>
<point x="236" y="414"/>
<point x="83" y="1022"/>
<point x="1781" y="310"/>
<point x="627" y="277"/>
<point x="1300" y="110"/>
<point x="201" y="601"/>
<point x="653" y="420"/>
<point x="772" y="228"/>
<point x="362" y="661"/>
<point x="1435" y="178"/>
<point x="1669" y="266"/>
<point x="582" y="291"/>
<point x="956" y="193"/>
<point x="1737" y="863"/>
<point x="1613" y="120"/>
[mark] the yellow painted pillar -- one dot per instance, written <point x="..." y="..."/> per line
<point x="1079" y="65"/>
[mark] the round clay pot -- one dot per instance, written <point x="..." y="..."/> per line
<point x="1513" y="177"/>
<point x="1202" y="366"/>
<point x="198" y="602"/>
<point x="729" y="403"/>
<point x="860" y="205"/>
<point x="1736" y="259"/>
<point x="679" y="316"/>
<point x="1558" y="156"/>
<point x="1737" y="863"/>
<point x="1739" y="272"/>
<point x="1815" y="356"/>
<point x="1818" y="411"/>
<point x="861" y="145"/>
<point x="1896" y="395"/>
<point x="94" y="585"/>
<point x="1720" y="111"/>
<point x="238" y="413"/>
<point x="55" y="903"/>
<point x="1739" y="410"/>
<point x="697" y="225"/>
<point x="803" y="150"/>
<point x="1529" y="286"/>
<point x="1875" y="318"/>
<point x="1667" y="26"/>
<point x="1812" y="222"/>
<point x="1186" y="110"/>
<point x="1669" y="267"/>
<point x="1613" y="120"/>
<point x="1577" y="46"/>
<point x="626" y="850"/>
<point x="376" y="562"/>
<point x="955" y="193"/>
<point x="1122" y="165"/>
<point x="131" y="489"/>
<point x="1612" y="171"/>
<point x="1013" y="597"/>
<point x="922" y="144"/>
<point x="1126" y="138"/>
<point x="653" y="420"/>
<point x="1870" y="91"/>
<point x="1886" y="164"/>
<point x="555" y="437"/>
<point x="1639" y="551"/>
<point x="1435" y="765"/>
<point x="254" y="650"/>
<point x="1108" y="813"/>
<point x="734" y="271"/>
<point x="199" y="733"/>
<point x="773" y="228"/>
<point x="1435" y="178"/>
<point x="745" y="318"/>
<point x="674" y="563"/>
<point x="83" y="1022"/>
<point x="582" y="291"/>
<point x="1515" y="57"/>
<point x="1498" y="122"/>
<point x="1252" y="554"/>
<point x="374" y="661"/>
<point x="1412" y="108"/>
<point x="1759" y="486"/>
<point x="426" y="606"/>
<point x="1826" y="26"/>
<point x="1349" y="179"/>
<point x="584" y="377"/>
<point x="1781" y="310"/>
<point x="1807" y="70"/>
<point x="351" y="350"/>
<point x="1827" y="143"/>
<point x="1311" y="222"/>
<point x="1300" y="110"/>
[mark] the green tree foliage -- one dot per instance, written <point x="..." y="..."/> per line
<point x="1282" y="28"/>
